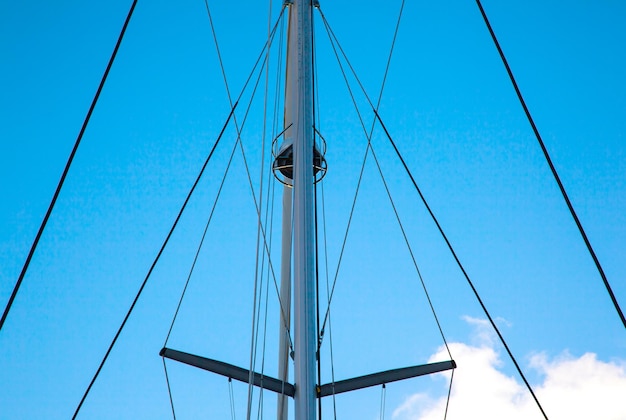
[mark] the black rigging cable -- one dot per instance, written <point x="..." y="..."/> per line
<point x="261" y="233"/>
<point x="231" y="398"/>
<point x="383" y="399"/>
<point x="232" y="154"/>
<point x="268" y="223"/>
<point x="370" y="147"/>
<point x="256" y="204"/>
<point x="408" y="245"/>
<point x="552" y="168"/>
<point x="145" y="281"/>
<point x="270" y="190"/>
<point x="334" y="42"/>
<point x="400" y="224"/>
<point x="169" y="388"/>
<point x="67" y="168"/>
<point x="356" y="193"/>
<point x="456" y="258"/>
<point x="258" y="210"/>
<point x="315" y="90"/>
<point x="330" y="325"/>
<point x="269" y="214"/>
<point x="432" y="215"/>
<point x="195" y="259"/>
<point x="445" y="415"/>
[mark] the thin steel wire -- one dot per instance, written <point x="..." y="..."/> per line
<point x="370" y="146"/>
<point x="258" y="274"/>
<point x="315" y="108"/>
<point x="261" y="230"/>
<point x="330" y="329"/>
<point x="231" y="398"/>
<point x="269" y="211"/>
<point x="605" y="280"/>
<point x="461" y="267"/>
<point x="44" y="222"/>
<point x="383" y="398"/>
<point x="445" y="415"/>
<point x="408" y="245"/>
<point x="238" y="129"/>
<point x="369" y="136"/>
<point x="169" y="389"/>
<point x="145" y="281"/>
<point x="470" y="283"/>
<point x="360" y="179"/>
<point x="206" y="228"/>
<point x="260" y="233"/>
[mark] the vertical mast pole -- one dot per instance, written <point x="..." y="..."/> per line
<point x="303" y="196"/>
<point x="285" y="303"/>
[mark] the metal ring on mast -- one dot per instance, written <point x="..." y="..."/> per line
<point x="283" y="160"/>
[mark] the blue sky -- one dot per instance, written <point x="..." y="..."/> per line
<point x="453" y="113"/>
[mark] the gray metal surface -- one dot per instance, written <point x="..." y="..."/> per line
<point x="285" y="305"/>
<point x="230" y="371"/>
<point x="299" y="61"/>
<point x="384" y="377"/>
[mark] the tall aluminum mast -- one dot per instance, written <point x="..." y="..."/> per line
<point x="305" y="337"/>
<point x="299" y="163"/>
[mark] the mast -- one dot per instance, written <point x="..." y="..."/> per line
<point x="300" y="103"/>
<point x="285" y="302"/>
<point x="298" y="164"/>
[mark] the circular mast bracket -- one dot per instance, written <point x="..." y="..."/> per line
<point x="283" y="161"/>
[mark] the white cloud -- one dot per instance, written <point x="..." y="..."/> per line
<point x="582" y="388"/>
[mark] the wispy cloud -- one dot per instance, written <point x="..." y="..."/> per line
<point x="573" y="388"/>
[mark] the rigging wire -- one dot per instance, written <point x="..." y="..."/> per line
<point x="370" y="146"/>
<point x="315" y="89"/>
<point x="258" y="279"/>
<point x="238" y="129"/>
<point x="552" y="168"/>
<point x="445" y="415"/>
<point x="317" y="122"/>
<point x="261" y="230"/>
<point x="66" y="169"/>
<point x="205" y="231"/>
<point x="257" y="286"/>
<point x="387" y="66"/>
<point x="263" y="344"/>
<point x="330" y="329"/>
<point x="206" y="228"/>
<point x="231" y="398"/>
<point x="269" y="221"/>
<point x="369" y="136"/>
<point x="283" y="365"/>
<point x="408" y="245"/>
<point x="230" y="115"/>
<point x="169" y="388"/>
<point x="356" y="194"/>
<point x="317" y="300"/>
<point x="145" y="281"/>
<point x="456" y="258"/>
<point x="423" y="199"/>
<point x="330" y="292"/>
<point x="343" y="247"/>
<point x="383" y="398"/>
